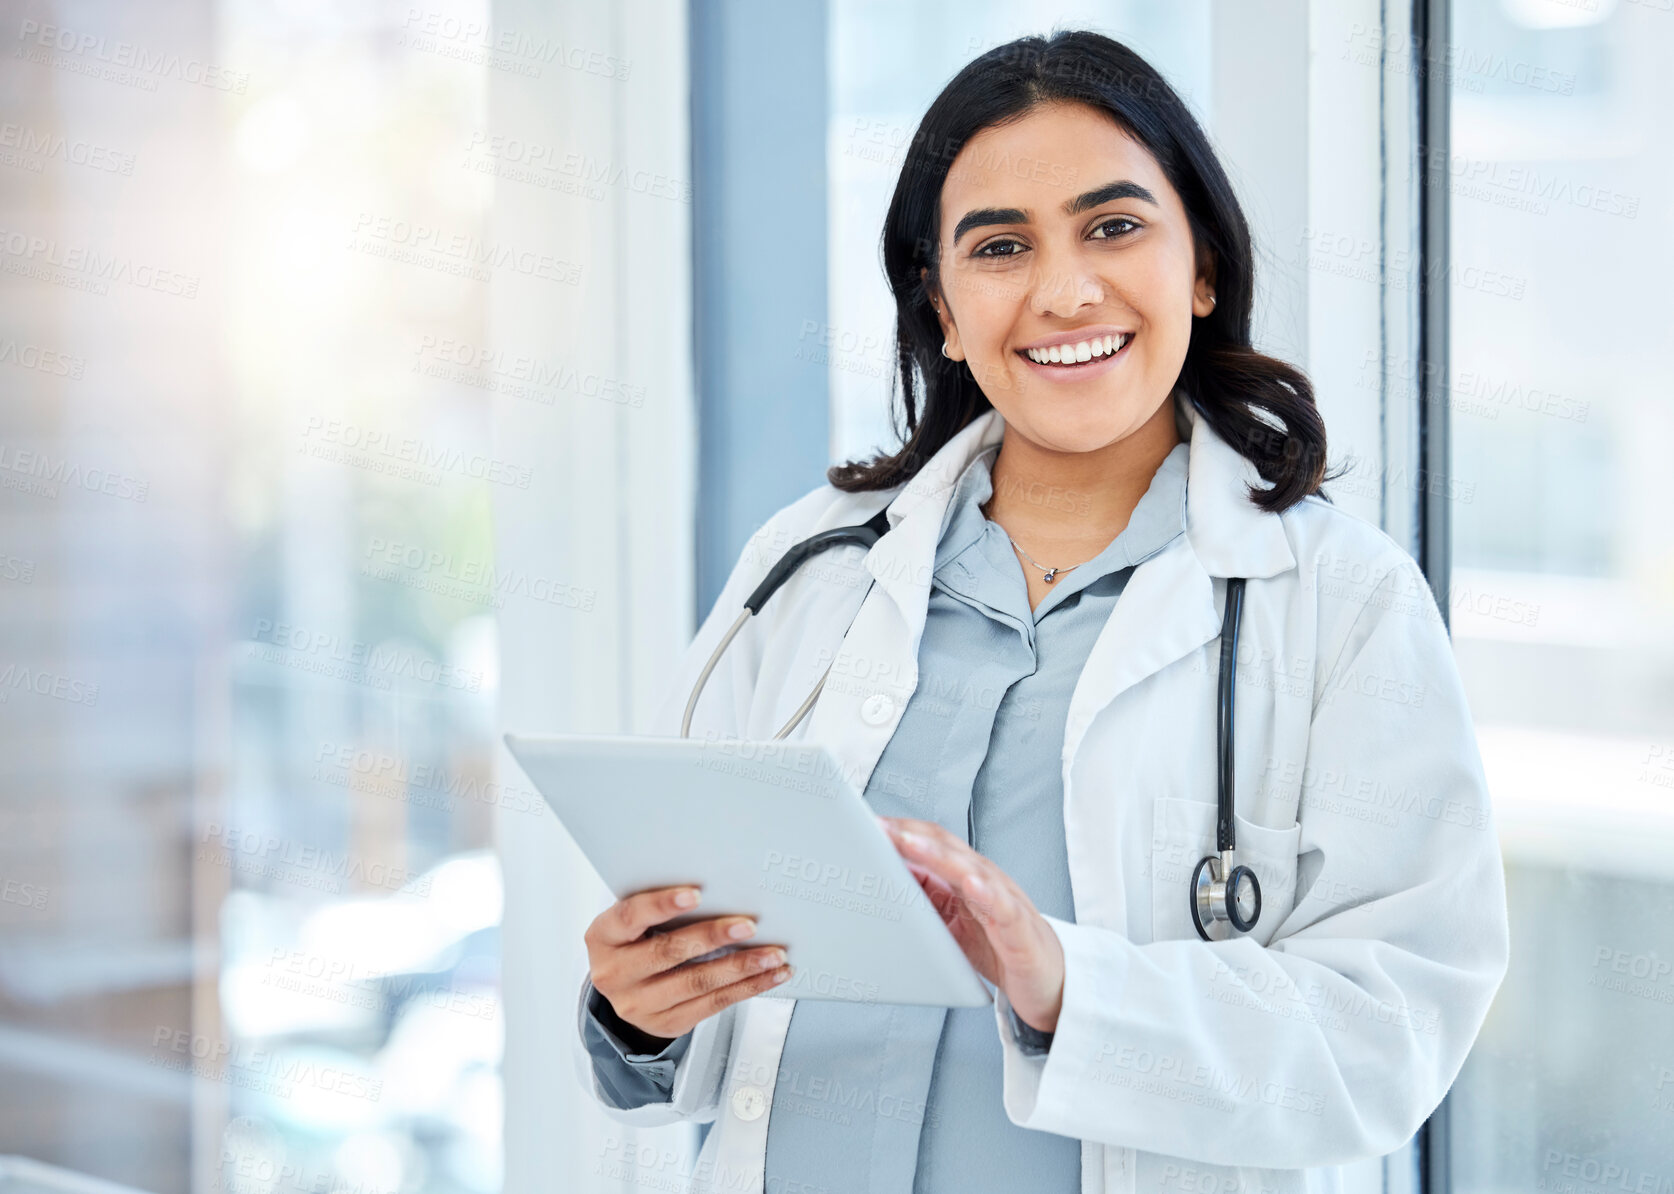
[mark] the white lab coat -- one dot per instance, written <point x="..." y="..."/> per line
<point x="1327" y="1034"/>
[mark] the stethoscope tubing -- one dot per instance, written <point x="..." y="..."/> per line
<point x="1226" y="831"/>
<point x="863" y="534"/>
<point x="1218" y="880"/>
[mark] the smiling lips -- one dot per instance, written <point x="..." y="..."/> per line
<point x="1080" y="352"/>
<point x="1080" y="358"/>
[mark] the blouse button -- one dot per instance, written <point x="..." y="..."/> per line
<point x="748" y="1103"/>
<point x="876" y="709"/>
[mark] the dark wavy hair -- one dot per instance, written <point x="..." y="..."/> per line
<point x="1262" y="406"/>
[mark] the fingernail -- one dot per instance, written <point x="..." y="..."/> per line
<point x="686" y="899"/>
<point x="770" y="960"/>
<point x="741" y="930"/>
<point x="781" y="976"/>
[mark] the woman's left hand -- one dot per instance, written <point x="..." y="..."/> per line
<point x="997" y="926"/>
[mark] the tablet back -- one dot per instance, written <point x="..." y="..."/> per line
<point x="773" y="830"/>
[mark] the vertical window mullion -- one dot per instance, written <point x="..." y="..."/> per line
<point x="1431" y="30"/>
<point x="1435" y="539"/>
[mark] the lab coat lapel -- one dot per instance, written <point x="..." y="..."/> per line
<point x="878" y="657"/>
<point x="1166" y="611"/>
<point x="1169" y="607"/>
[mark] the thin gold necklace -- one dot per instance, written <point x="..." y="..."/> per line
<point x="1051" y="573"/>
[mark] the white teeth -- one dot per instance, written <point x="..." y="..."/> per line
<point x="1063" y="354"/>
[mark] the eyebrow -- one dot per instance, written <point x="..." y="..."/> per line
<point x="1121" y="189"/>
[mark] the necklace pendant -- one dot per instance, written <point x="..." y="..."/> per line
<point x="1051" y="575"/>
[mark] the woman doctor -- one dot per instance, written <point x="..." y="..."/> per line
<point x="1024" y="666"/>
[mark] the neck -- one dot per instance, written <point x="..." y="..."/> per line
<point x="1064" y="507"/>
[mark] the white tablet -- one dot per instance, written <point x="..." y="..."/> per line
<point x="772" y="830"/>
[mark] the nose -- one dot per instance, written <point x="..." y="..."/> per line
<point x="1064" y="285"/>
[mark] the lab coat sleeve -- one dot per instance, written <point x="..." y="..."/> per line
<point x="690" y="1088"/>
<point x="1336" y="1040"/>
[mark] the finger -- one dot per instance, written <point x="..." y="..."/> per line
<point x="965" y="927"/>
<point x="997" y="901"/>
<point x="992" y="903"/>
<point x="929" y="831"/>
<point x="667" y="992"/>
<point x="660" y="952"/>
<point x="628" y="919"/>
<point x="942" y="897"/>
<point x="937" y="895"/>
<point x="686" y="1016"/>
<point x="931" y="848"/>
<point x="914" y="843"/>
<point x="944" y="837"/>
<point x="918" y="871"/>
<point x="989" y="895"/>
<point x="931" y="838"/>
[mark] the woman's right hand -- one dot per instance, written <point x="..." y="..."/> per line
<point x="634" y="968"/>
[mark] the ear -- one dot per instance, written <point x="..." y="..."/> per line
<point x="1203" y="290"/>
<point x="950" y="330"/>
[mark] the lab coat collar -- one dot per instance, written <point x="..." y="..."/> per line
<point x="903" y="560"/>
<point x="1227" y="534"/>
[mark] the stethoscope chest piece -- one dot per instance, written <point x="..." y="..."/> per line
<point x="1224" y="897"/>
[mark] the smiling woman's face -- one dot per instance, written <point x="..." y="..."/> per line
<point x="1061" y="230"/>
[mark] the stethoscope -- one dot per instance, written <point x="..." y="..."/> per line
<point x="1221" y="889"/>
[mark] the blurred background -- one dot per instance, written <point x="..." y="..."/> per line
<point x="380" y="375"/>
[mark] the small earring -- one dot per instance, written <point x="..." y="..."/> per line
<point x="945" y="352"/>
<point x="1211" y="300"/>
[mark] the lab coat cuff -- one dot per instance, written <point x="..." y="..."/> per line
<point x="1020" y="1068"/>
<point x="1041" y="1092"/>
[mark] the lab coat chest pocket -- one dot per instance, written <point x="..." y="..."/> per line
<point x="1183" y="831"/>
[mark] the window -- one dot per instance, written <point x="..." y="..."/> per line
<point x="1562" y="595"/>
<point x="247" y="669"/>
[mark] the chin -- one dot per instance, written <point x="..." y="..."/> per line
<point x="1084" y="430"/>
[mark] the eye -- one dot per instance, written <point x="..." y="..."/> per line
<point x="1111" y="222"/>
<point x="1014" y="246"/>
